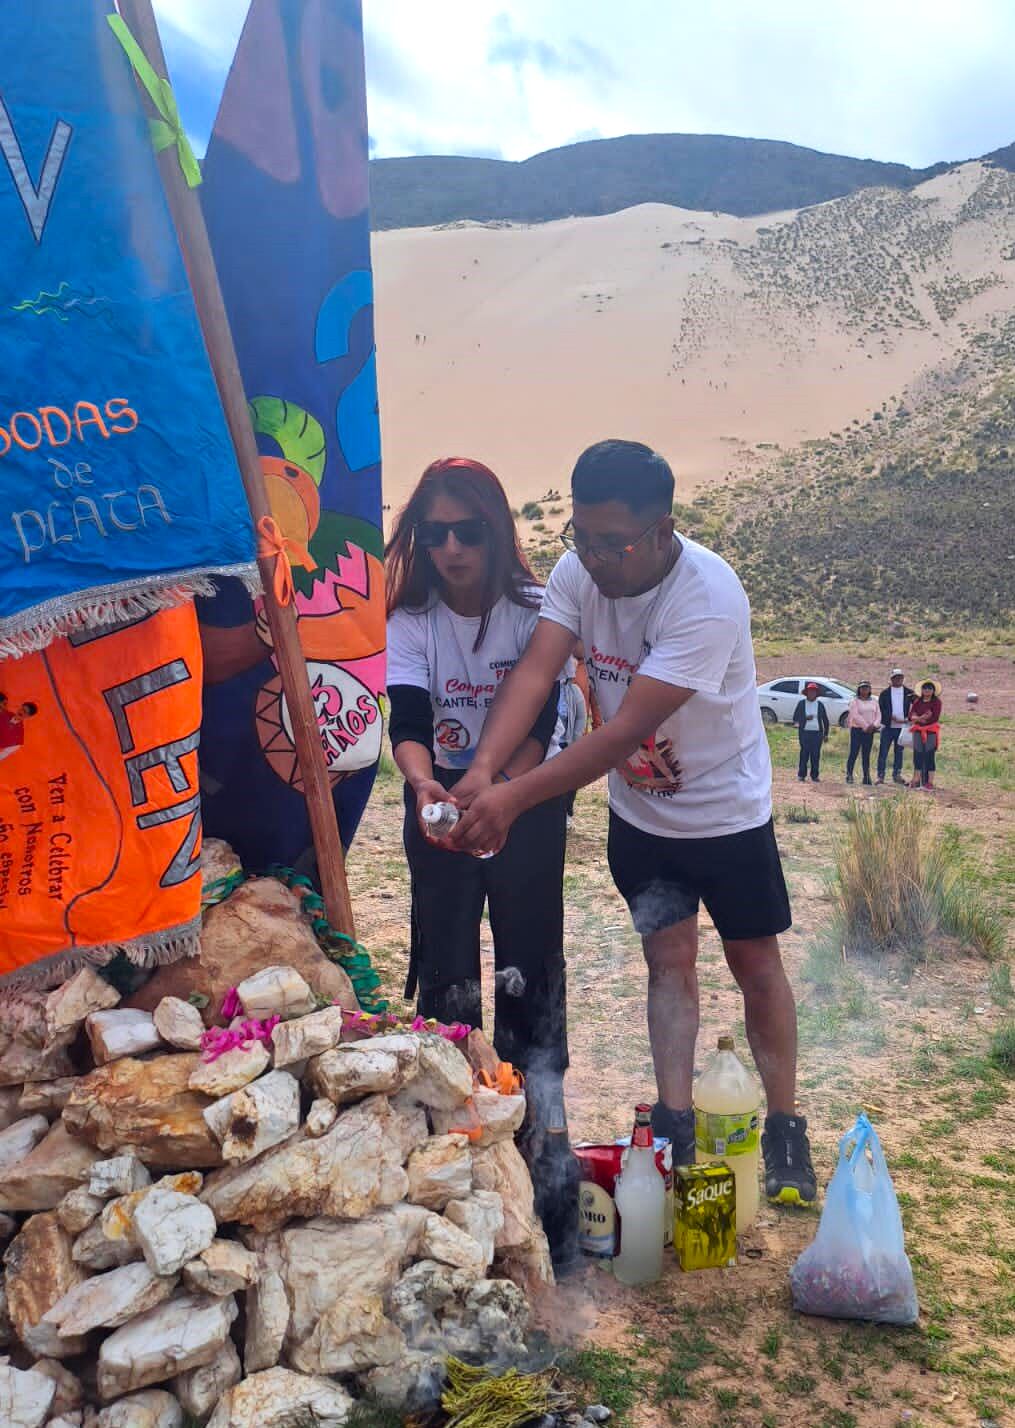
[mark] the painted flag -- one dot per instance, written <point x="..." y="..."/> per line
<point x="100" y="817"/>
<point x="285" y="200"/>
<point x="119" y="491"/>
<point x="119" y="498"/>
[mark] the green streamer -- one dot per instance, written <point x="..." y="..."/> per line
<point x="166" y="131"/>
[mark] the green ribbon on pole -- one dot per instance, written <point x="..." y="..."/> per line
<point x="166" y="131"/>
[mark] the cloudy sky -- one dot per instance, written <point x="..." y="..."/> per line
<point x="914" y="81"/>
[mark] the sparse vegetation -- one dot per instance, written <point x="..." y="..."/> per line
<point x="897" y="883"/>
<point x="1002" y="1048"/>
<point x="532" y="511"/>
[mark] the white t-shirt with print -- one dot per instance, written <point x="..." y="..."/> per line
<point x="707" y="771"/>
<point x="431" y="649"/>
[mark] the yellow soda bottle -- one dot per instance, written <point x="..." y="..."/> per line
<point x="727" y="1102"/>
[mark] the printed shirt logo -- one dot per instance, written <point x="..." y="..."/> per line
<point x="653" y="768"/>
<point x="452" y="735"/>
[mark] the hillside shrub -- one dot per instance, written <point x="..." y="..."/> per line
<point x="896" y="885"/>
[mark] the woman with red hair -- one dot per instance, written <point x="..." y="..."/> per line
<point x="462" y="606"/>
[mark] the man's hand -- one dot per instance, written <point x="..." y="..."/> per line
<point x="466" y="789"/>
<point x="428" y="790"/>
<point x="486" y="823"/>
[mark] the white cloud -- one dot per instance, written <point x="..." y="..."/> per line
<point x="887" y="79"/>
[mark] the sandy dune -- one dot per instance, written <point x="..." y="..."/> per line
<point x="710" y="337"/>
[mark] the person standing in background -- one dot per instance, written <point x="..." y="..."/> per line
<point x="894" y="703"/>
<point x="811" y="718"/>
<point x="925" y="722"/>
<point x="863" y="718"/>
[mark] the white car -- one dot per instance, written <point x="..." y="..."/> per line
<point x="779" y="697"/>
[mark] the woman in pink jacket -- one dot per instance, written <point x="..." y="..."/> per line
<point x="863" y="720"/>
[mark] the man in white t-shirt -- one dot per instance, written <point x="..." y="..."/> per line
<point x="666" y="629"/>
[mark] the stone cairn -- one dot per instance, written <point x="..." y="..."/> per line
<point x="257" y="1239"/>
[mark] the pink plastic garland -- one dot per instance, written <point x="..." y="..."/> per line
<point x="220" y="1039"/>
<point x="231" y="1004"/>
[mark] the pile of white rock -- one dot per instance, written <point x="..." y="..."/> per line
<point x="254" y="1240"/>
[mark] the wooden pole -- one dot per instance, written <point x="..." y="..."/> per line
<point x="193" y="238"/>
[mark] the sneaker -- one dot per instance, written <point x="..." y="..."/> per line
<point x="678" y="1128"/>
<point x="849" y="778"/>
<point x="802" y="778"/>
<point x="897" y="778"/>
<point x="815" y="779"/>
<point x="789" y="1174"/>
<point x="881" y="778"/>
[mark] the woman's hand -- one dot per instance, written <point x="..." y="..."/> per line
<point x="428" y="790"/>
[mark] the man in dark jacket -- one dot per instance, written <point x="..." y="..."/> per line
<point x="811" y="718"/>
<point x="894" y="702"/>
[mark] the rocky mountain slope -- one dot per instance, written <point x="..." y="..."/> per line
<point x="699" y="171"/>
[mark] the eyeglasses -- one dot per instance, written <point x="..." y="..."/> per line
<point x="602" y="554"/>
<point x="433" y="535"/>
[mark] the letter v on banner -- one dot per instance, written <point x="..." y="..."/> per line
<point x="36" y="201"/>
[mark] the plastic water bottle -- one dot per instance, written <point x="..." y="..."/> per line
<point x="640" y="1197"/>
<point x="727" y="1102"/>
<point x="439" y="818"/>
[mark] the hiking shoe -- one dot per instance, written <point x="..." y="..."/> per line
<point x="678" y="1128"/>
<point x="789" y="1174"/>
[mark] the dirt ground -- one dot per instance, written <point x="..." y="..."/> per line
<point x="906" y="1043"/>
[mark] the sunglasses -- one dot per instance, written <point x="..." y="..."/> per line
<point x="433" y="535"/>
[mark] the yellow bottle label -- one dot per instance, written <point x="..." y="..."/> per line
<point x="597" y="1220"/>
<point x="725" y="1135"/>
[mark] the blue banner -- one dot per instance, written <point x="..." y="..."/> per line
<point x="285" y="199"/>
<point x="119" y="491"/>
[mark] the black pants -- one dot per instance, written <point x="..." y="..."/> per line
<point x="889" y="739"/>
<point x="810" y="752"/>
<point x="522" y="886"/>
<point x="861" y="741"/>
<point x="924" y="750"/>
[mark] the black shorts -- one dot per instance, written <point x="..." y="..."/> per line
<point x="738" y="877"/>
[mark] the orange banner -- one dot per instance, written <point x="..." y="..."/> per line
<point x="100" y="815"/>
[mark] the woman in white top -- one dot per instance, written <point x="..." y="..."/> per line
<point x="462" y="606"/>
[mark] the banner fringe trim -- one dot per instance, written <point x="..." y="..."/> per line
<point x="150" y="949"/>
<point x="40" y="625"/>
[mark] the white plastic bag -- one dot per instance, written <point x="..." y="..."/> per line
<point x="857" y="1267"/>
<point x="906" y="738"/>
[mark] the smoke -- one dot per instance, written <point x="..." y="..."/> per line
<point x="659" y="905"/>
<point x="462" y="1001"/>
<point x="510" y="981"/>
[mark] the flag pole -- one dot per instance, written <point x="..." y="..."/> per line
<point x="193" y="238"/>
